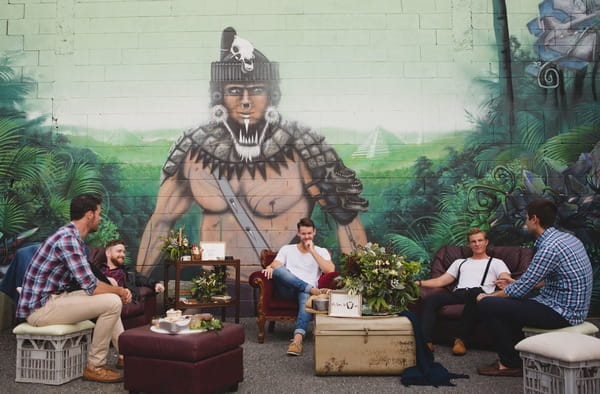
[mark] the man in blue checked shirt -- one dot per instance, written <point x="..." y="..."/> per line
<point x="562" y="270"/>
<point x="59" y="287"/>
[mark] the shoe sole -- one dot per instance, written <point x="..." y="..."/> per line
<point x="293" y="354"/>
<point x="103" y="381"/>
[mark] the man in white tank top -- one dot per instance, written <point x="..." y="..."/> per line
<point x="296" y="271"/>
<point x="474" y="275"/>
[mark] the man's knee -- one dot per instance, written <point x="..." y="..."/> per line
<point x="112" y="303"/>
<point x="491" y="306"/>
<point x="433" y="301"/>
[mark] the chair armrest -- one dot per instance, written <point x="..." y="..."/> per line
<point x="265" y="285"/>
<point x="327" y="281"/>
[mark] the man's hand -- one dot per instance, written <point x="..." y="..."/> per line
<point x="268" y="272"/>
<point x="503" y="282"/>
<point x="309" y="245"/>
<point x="481" y="296"/>
<point x="125" y="295"/>
<point x="159" y="288"/>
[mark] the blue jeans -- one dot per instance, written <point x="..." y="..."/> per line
<point x="289" y="286"/>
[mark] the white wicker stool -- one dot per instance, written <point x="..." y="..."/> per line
<point x="560" y="362"/>
<point x="53" y="354"/>
<point x="585" y="328"/>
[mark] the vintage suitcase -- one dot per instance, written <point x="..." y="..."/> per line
<point x="363" y="346"/>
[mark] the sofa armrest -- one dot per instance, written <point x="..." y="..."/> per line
<point x="148" y="297"/>
<point x="417" y="306"/>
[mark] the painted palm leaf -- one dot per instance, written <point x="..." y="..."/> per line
<point x="566" y="148"/>
<point x="12" y="216"/>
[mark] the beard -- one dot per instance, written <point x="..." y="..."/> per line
<point x="116" y="261"/>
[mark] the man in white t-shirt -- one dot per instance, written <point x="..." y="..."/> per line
<point x="296" y="271"/>
<point x="474" y="275"/>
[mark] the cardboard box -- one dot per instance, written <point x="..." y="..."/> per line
<point x="363" y="346"/>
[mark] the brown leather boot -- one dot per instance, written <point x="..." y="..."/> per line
<point x="102" y="375"/>
<point x="430" y="346"/>
<point x="459" y="348"/>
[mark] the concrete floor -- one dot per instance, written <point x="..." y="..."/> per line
<point x="267" y="369"/>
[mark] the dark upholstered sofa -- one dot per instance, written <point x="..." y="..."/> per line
<point x="446" y="328"/>
<point x="137" y="313"/>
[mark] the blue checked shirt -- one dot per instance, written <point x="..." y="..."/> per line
<point x="564" y="266"/>
<point x="60" y="261"/>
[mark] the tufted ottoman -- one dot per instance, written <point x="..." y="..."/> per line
<point x="194" y="363"/>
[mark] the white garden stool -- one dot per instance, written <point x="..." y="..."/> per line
<point x="53" y="354"/>
<point x="585" y="328"/>
<point x="560" y="362"/>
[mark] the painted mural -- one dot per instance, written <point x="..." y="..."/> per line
<point x="426" y="119"/>
<point x="252" y="173"/>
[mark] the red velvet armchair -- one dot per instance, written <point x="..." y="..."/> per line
<point x="447" y="324"/>
<point x="271" y="308"/>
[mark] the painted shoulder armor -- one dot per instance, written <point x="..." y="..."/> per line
<point x="339" y="188"/>
<point x="189" y="140"/>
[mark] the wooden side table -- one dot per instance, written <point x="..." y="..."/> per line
<point x="178" y="304"/>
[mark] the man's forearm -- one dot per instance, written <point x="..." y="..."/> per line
<point x="325" y="265"/>
<point x="103" y="288"/>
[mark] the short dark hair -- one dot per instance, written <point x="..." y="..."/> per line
<point x="545" y="210"/>
<point x="476" y="230"/>
<point x="305" y="222"/>
<point x="114" y="242"/>
<point x="84" y="203"/>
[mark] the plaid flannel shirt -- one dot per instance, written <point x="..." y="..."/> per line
<point x="59" y="262"/>
<point x="564" y="266"/>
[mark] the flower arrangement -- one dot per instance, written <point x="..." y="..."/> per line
<point x="176" y="245"/>
<point x="384" y="280"/>
<point x="210" y="283"/>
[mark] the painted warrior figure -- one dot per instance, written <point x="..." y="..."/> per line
<point x="252" y="173"/>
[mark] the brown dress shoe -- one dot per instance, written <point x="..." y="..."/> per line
<point x="459" y="348"/>
<point x="295" y="349"/>
<point x="102" y="375"/>
<point x="430" y="346"/>
<point x="495" y="370"/>
<point x="120" y="362"/>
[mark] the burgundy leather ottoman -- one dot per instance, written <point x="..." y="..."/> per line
<point x="195" y="363"/>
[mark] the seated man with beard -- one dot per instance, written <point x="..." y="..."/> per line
<point x="121" y="275"/>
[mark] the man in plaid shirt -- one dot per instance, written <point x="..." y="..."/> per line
<point x="60" y="288"/>
<point x="560" y="268"/>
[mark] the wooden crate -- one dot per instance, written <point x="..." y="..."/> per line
<point x="363" y="346"/>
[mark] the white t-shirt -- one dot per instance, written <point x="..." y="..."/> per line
<point x="472" y="271"/>
<point x="303" y="265"/>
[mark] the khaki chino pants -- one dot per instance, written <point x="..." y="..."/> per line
<point x="70" y="308"/>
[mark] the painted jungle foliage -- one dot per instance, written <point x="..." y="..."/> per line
<point x="536" y="133"/>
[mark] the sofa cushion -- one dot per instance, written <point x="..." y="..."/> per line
<point x="53" y="329"/>
<point x="565" y="346"/>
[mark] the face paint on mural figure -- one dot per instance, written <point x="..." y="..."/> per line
<point x="246" y="104"/>
<point x="252" y="173"/>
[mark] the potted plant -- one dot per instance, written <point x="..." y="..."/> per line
<point x="385" y="280"/>
<point x="210" y="283"/>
